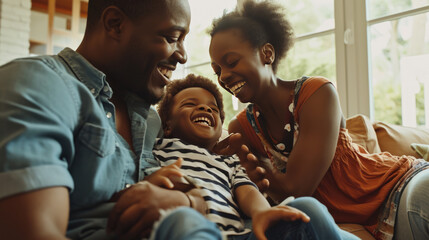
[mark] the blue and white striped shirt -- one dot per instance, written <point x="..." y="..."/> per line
<point x="217" y="175"/>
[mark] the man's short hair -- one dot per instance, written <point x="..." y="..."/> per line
<point x="176" y="86"/>
<point x="132" y="8"/>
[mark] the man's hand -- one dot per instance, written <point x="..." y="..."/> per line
<point x="138" y="208"/>
<point x="261" y="221"/>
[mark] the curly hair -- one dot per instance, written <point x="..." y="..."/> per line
<point x="260" y="23"/>
<point x="176" y="86"/>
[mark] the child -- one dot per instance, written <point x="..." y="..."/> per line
<point x="192" y="115"/>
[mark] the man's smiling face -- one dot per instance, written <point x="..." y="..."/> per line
<point x="153" y="46"/>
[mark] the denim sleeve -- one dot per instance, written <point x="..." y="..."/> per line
<point x="37" y="112"/>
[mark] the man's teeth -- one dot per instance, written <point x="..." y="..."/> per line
<point x="237" y="87"/>
<point x="166" y="72"/>
<point x="203" y="120"/>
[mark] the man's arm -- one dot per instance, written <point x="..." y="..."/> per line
<point x="39" y="214"/>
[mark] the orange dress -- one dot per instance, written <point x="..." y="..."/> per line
<point x="357" y="182"/>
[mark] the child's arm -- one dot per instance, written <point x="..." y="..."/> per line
<point x="250" y="200"/>
<point x="254" y="205"/>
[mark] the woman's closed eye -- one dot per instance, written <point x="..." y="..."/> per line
<point x="232" y="63"/>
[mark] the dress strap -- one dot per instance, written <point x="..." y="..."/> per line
<point x="278" y="156"/>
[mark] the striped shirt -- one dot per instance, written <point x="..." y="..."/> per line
<point x="217" y="175"/>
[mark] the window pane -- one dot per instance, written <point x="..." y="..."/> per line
<point x="62" y="17"/>
<point x="400" y="76"/>
<point x="198" y="40"/>
<point x="380" y="8"/>
<point x="312" y="57"/>
<point x="308" y="16"/>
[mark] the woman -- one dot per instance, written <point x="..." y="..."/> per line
<point x="298" y="125"/>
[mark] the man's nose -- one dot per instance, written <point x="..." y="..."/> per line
<point x="180" y="53"/>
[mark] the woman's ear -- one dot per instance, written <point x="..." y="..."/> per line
<point x="113" y="19"/>
<point x="268" y="53"/>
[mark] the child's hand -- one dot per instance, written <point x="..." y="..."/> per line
<point x="165" y="176"/>
<point x="261" y="221"/>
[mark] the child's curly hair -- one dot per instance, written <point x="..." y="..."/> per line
<point x="191" y="80"/>
<point x="260" y="23"/>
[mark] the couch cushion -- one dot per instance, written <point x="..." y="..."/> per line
<point x="361" y="131"/>
<point x="397" y="139"/>
<point x="421" y="149"/>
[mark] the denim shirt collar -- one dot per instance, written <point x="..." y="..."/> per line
<point x="91" y="77"/>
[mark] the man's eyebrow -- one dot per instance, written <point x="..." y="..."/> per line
<point x="176" y="28"/>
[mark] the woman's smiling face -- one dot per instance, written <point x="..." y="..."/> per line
<point x="239" y="66"/>
<point x="195" y="118"/>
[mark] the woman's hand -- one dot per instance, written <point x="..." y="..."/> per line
<point x="261" y="221"/>
<point x="165" y="176"/>
<point x="229" y="145"/>
<point x="254" y="170"/>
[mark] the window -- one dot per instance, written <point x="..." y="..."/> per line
<point x="56" y="24"/>
<point x="374" y="51"/>
<point x="399" y="53"/>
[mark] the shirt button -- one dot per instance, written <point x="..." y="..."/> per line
<point x="93" y="90"/>
<point x="105" y="88"/>
<point x="108" y="114"/>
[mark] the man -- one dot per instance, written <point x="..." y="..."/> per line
<point x="77" y="128"/>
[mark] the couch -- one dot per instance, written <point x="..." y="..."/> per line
<point x="383" y="137"/>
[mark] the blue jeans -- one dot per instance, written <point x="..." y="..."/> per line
<point x="413" y="213"/>
<point x="186" y="224"/>
<point x="321" y="225"/>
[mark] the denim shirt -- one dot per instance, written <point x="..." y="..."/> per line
<point x="57" y="128"/>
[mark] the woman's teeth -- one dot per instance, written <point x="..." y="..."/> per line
<point x="237" y="87"/>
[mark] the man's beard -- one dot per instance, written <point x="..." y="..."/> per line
<point x="150" y="98"/>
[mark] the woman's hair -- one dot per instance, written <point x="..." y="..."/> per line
<point x="260" y="23"/>
<point x="176" y="86"/>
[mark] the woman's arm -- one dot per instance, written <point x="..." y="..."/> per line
<point x="39" y="214"/>
<point x="319" y="125"/>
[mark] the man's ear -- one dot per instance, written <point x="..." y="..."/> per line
<point x="167" y="129"/>
<point x="267" y="53"/>
<point x="113" y="19"/>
